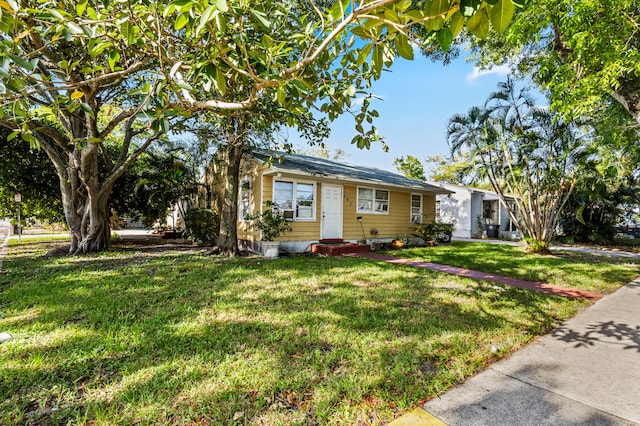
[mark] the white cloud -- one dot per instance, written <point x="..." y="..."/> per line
<point x="477" y="72"/>
<point x="357" y="102"/>
<point x="417" y="51"/>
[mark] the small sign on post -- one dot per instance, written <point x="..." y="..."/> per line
<point x="17" y="198"/>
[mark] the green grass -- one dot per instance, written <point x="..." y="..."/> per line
<point x="563" y="268"/>
<point x="628" y="243"/>
<point x="31" y="239"/>
<point x="147" y="336"/>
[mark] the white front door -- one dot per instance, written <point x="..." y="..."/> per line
<point x="331" y="221"/>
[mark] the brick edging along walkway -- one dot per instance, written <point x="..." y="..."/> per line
<point x="513" y="282"/>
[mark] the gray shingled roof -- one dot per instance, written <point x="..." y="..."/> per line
<point x="321" y="167"/>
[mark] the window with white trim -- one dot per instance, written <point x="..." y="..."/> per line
<point x="295" y="200"/>
<point x="438" y="211"/>
<point x="244" y="199"/>
<point x="416" y="208"/>
<point x="372" y="200"/>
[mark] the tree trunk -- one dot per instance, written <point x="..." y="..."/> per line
<point x="228" y="236"/>
<point x="84" y="198"/>
<point x="628" y="95"/>
<point x="71" y="192"/>
<point x="96" y="232"/>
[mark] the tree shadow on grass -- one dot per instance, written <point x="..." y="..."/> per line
<point x="207" y="347"/>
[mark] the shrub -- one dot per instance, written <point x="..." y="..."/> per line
<point x="271" y="222"/>
<point x="434" y="231"/>
<point x="537" y="246"/>
<point x="202" y="225"/>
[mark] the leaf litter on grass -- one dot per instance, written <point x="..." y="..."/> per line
<point x="177" y="337"/>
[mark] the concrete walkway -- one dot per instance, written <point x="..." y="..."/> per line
<point x="586" y="372"/>
<point x="4" y="237"/>
<point x="513" y="282"/>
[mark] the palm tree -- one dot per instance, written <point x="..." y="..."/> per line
<point x="527" y="153"/>
<point x="469" y="134"/>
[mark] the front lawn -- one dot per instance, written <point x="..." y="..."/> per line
<point x="571" y="269"/>
<point x="149" y="336"/>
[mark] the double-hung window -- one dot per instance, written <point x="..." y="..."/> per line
<point x="416" y="208"/>
<point x="296" y="201"/>
<point x="372" y="200"/>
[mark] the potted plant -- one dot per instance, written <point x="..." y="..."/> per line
<point x="397" y="243"/>
<point x="272" y="224"/>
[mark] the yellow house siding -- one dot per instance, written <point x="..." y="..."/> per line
<point x="396" y="223"/>
<point x="351" y="227"/>
<point x="301" y="230"/>
<point x="428" y="208"/>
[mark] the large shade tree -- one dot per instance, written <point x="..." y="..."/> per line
<point x="607" y="194"/>
<point x="74" y="72"/>
<point x="587" y="53"/>
<point x="67" y="88"/>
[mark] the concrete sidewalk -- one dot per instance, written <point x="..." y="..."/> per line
<point x="4" y="238"/>
<point x="586" y="372"/>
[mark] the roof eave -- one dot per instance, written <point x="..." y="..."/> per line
<point x="435" y="190"/>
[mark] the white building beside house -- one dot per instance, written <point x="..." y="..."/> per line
<point x="474" y="213"/>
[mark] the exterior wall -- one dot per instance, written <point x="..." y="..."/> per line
<point x="300" y="230"/>
<point x="397" y="223"/>
<point x="214" y="180"/>
<point x="388" y="226"/>
<point x="504" y="217"/>
<point x="456" y="209"/>
<point x="253" y="171"/>
<point x="508" y="232"/>
<point x="476" y="211"/>
<point x="465" y="205"/>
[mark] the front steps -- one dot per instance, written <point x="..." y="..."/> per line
<point x="338" y="247"/>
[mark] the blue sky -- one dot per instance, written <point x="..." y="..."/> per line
<point x="417" y="99"/>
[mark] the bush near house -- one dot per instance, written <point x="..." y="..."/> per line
<point x="270" y="222"/>
<point x="433" y="231"/>
<point x="202" y="225"/>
